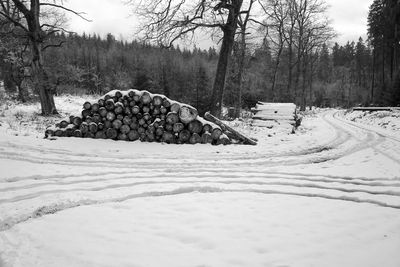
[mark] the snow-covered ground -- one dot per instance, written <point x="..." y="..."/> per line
<point x="328" y="195"/>
<point x="389" y="120"/>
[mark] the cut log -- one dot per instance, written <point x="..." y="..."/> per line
<point x="122" y="137"/>
<point x="166" y="103"/>
<point x="93" y="127"/>
<point x="84" y="127"/>
<point x="142" y="122"/>
<point x="216" y="133"/>
<point x="95" y="107"/>
<point x="168" y="137"/>
<point x="133" y="135"/>
<point x="64" y="124"/>
<point x="134" y="125"/>
<point x="107" y="124"/>
<point x="169" y="127"/>
<point x="224" y="140"/>
<point x="50" y="131"/>
<point x="195" y="126"/>
<point x="184" y="136"/>
<point x="135" y="110"/>
<point x="87" y="105"/>
<point x="206" y="138"/>
<point x="157" y="100"/>
<point x="101" y="102"/>
<point x="146" y="116"/>
<point x="146" y="109"/>
<point x="127" y="120"/>
<point x="109" y="105"/>
<point x="274" y="118"/>
<point x="71" y="119"/>
<point x="77" y="133"/>
<point x="96" y="118"/>
<point x="163" y="110"/>
<point x="136" y="98"/>
<point x="117" y="124"/>
<point x="172" y="118"/>
<point x="85" y="113"/>
<point x="111" y="133"/>
<point x="131" y="93"/>
<point x="187" y="114"/>
<point x="110" y="116"/>
<point x="125" y="129"/>
<point x="238" y="135"/>
<point x="120" y="117"/>
<point x="374" y="108"/>
<point x="103" y="111"/>
<point x="207" y="128"/>
<point x="119" y="108"/>
<point x="195" y="139"/>
<point x="178" y="127"/>
<point x="88" y="119"/>
<point x="159" y="131"/>
<point x="100" y="135"/>
<point x="145" y="98"/>
<point x="118" y="94"/>
<point x="156" y="111"/>
<point x="175" y="107"/>
<point x="59" y="132"/>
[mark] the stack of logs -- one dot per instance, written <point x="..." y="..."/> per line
<point x="139" y="115"/>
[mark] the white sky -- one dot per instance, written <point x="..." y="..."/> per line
<point x="349" y="18"/>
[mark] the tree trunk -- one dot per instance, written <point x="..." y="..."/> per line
<point x="229" y="31"/>
<point x="225" y="127"/>
<point x="303" y="87"/>
<point x="240" y="73"/>
<point x="41" y="82"/>
<point x="290" y="74"/>
<point x="40" y="79"/>
<point x="278" y="60"/>
<point x="373" y="76"/>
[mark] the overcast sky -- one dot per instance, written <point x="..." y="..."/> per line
<point x="111" y="16"/>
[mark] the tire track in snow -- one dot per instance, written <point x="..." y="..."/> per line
<point x="54" y="208"/>
<point x="179" y="182"/>
<point x="175" y="170"/>
<point x="394" y="142"/>
<point x="198" y="175"/>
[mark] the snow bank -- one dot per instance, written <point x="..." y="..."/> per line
<point x="389" y="120"/>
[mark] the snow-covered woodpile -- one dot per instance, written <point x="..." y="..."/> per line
<point x="283" y="114"/>
<point x="139" y="115"/>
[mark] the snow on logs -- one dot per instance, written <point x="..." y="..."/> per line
<point x="139" y="115"/>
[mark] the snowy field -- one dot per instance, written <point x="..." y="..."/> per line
<point x="328" y="195"/>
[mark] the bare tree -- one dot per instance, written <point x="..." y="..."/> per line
<point x="301" y="27"/>
<point x="165" y="21"/>
<point x="29" y="22"/>
<point x="276" y="12"/>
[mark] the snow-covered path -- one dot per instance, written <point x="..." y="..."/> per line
<point x="328" y="197"/>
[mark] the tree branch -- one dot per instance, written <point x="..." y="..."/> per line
<point x="53" y="45"/>
<point x="79" y="14"/>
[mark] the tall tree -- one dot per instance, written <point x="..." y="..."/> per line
<point x="37" y="33"/>
<point x="166" y="21"/>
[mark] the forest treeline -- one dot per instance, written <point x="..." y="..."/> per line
<point x="340" y="76"/>
<point x="283" y="66"/>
